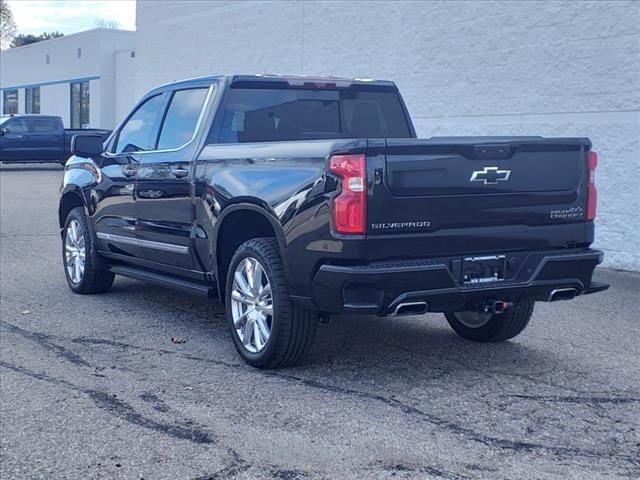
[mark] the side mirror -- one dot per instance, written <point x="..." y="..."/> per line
<point x="3" y="131"/>
<point x="86" y="146"/>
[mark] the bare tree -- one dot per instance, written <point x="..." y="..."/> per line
<point x="106" y="23"/>
<point x="7" y="25"/>
<point x="21" y="39"/>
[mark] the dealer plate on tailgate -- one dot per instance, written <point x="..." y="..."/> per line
<point x="484" y="269"/>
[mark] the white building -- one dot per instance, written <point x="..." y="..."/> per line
<point x="81" y="77"/>
<point x="464" y="68"/>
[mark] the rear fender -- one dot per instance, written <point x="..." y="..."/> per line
<point x="253" y="206"/>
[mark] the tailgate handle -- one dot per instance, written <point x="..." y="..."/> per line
<point x="491" y="151"/>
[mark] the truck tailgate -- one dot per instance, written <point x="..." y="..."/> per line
<point x="447" y="186"/>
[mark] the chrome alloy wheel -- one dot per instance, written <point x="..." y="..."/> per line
<point x="473" y="319"/>
<point x="252" y="305"/>
<point x="74" y="251"/>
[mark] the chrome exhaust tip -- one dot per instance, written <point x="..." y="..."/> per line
<point x="410" y="308"/>
<point x="562" y="294"/>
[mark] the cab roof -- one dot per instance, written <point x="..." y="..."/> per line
<point x="283" y="81"/>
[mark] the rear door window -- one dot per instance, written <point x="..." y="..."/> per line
<point x="182" y="116"/>
<point x="266" y="115"/>
<point x="44" y="125"/>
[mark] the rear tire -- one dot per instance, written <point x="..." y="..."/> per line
<point x="268" y="330"/>
<point x="82" y="275"/>
<point x="481" y="327"/>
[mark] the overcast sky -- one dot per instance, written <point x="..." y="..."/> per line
<point x="70" y="16"/>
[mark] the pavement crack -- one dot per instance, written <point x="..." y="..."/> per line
<point x="45" y="342"/>
<point x="158" y="403"/>
<point x="231" y="471"/>
<point x="576" y="399"/>
<point x="537" y="381"/>
<point x="123" y="410"/>
<point x="487" y="372"/>
<point x="456" y="429"/>
<point x="402" y="468"/>
<point x="237" y="466"/>
<point x="450" y="426"/>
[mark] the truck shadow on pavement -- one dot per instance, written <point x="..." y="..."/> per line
<point x="416" y="347"/>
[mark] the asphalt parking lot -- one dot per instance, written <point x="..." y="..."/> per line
<point x="93" y="387"/>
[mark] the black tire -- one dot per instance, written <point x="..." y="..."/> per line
<point x="293" y="329"/>
<point x="93" y="280"/>
<point x="498" y="327"/>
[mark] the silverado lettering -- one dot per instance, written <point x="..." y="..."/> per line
<point x="376" y="226"/>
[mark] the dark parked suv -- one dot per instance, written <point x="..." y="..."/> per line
<point x="293" y="198"/>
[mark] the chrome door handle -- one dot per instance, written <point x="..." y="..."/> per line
<point x="128" y="172"/>
<point x="179" y="172"/>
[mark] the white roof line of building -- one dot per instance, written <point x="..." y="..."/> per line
<point x="42" y="42"/>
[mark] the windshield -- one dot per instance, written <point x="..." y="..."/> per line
<point x="4" y="118"/>
<point x="266" y="115"/>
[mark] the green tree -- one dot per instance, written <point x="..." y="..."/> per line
<point x="21" y="39"/>
<point x="7" y="25"/>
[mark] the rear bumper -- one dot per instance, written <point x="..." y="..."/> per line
<point x="381" y="287"/>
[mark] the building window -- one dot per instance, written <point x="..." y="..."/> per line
<point x="79" y="53"/>
<point x="10" y="102"/>
<point x="80" y="105"/>
<point x="46" y="58"/>
<point x="32" y="100"/>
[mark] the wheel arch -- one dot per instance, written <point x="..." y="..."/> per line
<point x="71" y="198"/>
<point x="238" y="223"/>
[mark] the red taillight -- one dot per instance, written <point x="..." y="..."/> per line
<point x="349" y="206"/>
<point x="592" y="194"/>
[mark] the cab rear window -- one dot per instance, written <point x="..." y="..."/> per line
<point x="268" y="115"/>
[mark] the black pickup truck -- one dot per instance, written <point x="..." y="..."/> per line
<point x="38" y="138"/>
<point x="294" y="198"/>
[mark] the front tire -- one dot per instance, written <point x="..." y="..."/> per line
<point x="82" y="275"/>
<point x="487" y="327"/>
<point x="268" y="330"/>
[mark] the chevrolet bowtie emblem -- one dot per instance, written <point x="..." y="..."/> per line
<point x="490" y="175"/>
